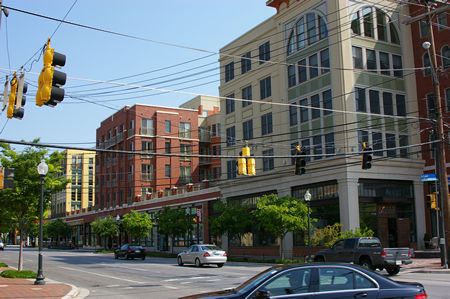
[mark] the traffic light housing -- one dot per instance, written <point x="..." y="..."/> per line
<point x="366" y="160"/>
<point x="16" y="97"/>
<point x="246" y="164"/>
<point x="433" y="200"/>
<point x="300" y="161"/>
<point x="6" y="178"/>
<point x="50" y="80"/>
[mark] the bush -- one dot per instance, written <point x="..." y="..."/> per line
<point x="18" y="274"/>
<point x="331" y="233"/>
<point x="3" y="265"/>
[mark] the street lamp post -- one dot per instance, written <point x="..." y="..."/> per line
<point x="42" y="170"/>
<point x="308" y="200"/>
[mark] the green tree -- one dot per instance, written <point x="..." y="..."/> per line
<point x="22" y="201"/>
<point x="280" y="215"/>
<point x="331" y="233"/>
<point x="173" y="222"/>
<point x="137" y="224"/>
<point x="58" y="229"/>
<point x="105" y="227"/>
<point x="232" y="219"/>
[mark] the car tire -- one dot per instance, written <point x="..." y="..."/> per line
<point x="319" y="259"/>
<point x="220" y="265"/>
<point x="366" y="264"/>
<point x="393" y="270"/>
<point x="127" y="257"/>
<point x="116" y="256"/>
<point x="197" y="262"/>
<point x="143" y="258"/>
<point x="180" y="261"/>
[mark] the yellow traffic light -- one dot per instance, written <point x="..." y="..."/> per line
<point x="50" y="80"/>
<point x="251" y="165"/>
<point x="242" y="166"/>
<point x="433" y="202"/>
<point x="12" y="97"/>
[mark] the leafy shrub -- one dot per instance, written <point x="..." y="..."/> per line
<point x="3" y="265"/>
<point x="18" y="274"/>
<point x="331" y="233"/>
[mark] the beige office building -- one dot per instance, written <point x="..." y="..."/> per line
<point x="327" y="76"/>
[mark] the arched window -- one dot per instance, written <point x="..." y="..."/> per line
<point x="446" y="57"/>
<point x="373" y="23"/>
<point x="308" y="30"/>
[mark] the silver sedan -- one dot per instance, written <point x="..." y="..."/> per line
<point x="201" y="254"/>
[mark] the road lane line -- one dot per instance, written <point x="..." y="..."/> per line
<point x="103" y="275"/>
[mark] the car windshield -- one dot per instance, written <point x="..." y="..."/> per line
<point x="135" y="247"/>
<point x="210" y="248"/>
<point x="255" y="280"/>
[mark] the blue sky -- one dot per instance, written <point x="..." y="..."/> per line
<point x="94" y="55"/>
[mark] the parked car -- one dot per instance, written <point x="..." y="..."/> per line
<point x="367" y="252"/>
<point x="345" y="281"/>
<point x="201" y="254"/>
<point x="2" y="246"/>
<point x="130" y="252"/>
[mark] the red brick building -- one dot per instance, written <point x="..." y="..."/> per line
<point x="157" y="154"/>
<point x="425" y="90"/>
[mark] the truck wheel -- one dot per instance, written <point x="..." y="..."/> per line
<point x="366" y="264"/>
<point x="319" y="259"/>
<point x="393" y="270"/>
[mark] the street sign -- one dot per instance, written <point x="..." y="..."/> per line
<point x="428" y="177"/>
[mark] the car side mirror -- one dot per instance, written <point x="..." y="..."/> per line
<point x="262" y="294"/>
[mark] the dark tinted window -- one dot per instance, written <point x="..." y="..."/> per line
<point x="369" y="243"/>
<point x="350" y="243"/>
<point x="335" y="279"/>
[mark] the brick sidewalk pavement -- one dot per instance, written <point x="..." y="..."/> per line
<point x="25" y="288"/>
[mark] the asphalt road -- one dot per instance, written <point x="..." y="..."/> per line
<point x="162" y="278"/>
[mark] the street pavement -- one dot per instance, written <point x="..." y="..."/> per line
<point x="25" y="288"/>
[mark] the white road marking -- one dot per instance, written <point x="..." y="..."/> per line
<point x="106" y="276"/>
<point x="189" y="278"/>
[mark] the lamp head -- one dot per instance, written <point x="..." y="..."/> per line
<point x="42" y="168"/>
<point x="426" y="45"/>
<point x="307" y="195"/>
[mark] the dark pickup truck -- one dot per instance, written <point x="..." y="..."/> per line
<point x="367" y="252"/>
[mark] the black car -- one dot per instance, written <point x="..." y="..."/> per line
<point x="319" y="281"/>
<point x="130" y="252"/>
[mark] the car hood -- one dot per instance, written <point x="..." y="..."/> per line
<point x="217" y="294"/>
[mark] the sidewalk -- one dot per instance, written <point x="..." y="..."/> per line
<point x="25" y="288"/>
<point x="425" y="265"/>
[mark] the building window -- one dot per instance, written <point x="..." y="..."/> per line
<point x="231" y="169"/>
<point x="231" y="136"/>
<point x="146" y="172"/>
<point x="423" y="28"/>
<point x="446" y="57"/>
<point x="374" y="99"/>
<point x="266" y="124"/>
<point x="360" y="98"/>
<point x="304" y="110"/>
<point x="377" y="141"/>
<point x="398" y="66"/>
<point x="355" y="25"/>
<point x="301" y="36"/>
<point x="229" y="102"/>
<point x="390" y="143"/>
<point x="264" y="52"/>
<point x="247" y="128"/>
<point x="447" y="98"/>
<point x="313" y="63"/>
<point x="323" y="31"/>
<point x="167" y="126"/>
<point x="317" y="145"/>
<point x="147" y="126"/>
<point x="292" y="115"/>
<point x="291" y="76"/>
<point x="185" y="149"/>
<point x="302" y="71"/>
<point x="327" y="102"/>
<point x="388" y="106"/>
<point x="247" y="95"/>
<point x="401" y="105"/>
<point x="403" y="142"/>
<point x="268" y="161"/>
<point x="315" y="103"/>
<point x="363" y="136"/>
<point x="167" y="147"/>
<point x="229" y="71"/>
<point x="368" y="22"/>
<point x="431" y="108"/>
<point x="185" y="130"/>
<point x="311" y="28"/>
<point x="385" y="64"/>
<point x="246" y="63"/>
<point x="265" y="88"/>
<point x="167" y="170"/>
<point x="329" y="144"/>
<point x="185" y="174"/>
<point x="325" y="61"/>
<point x="371" y="60"/>
<point x="426" y="64"/>
<point x="357" y="57"/>
<point x="147" y="146"/>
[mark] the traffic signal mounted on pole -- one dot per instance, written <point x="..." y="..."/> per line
<point x="366" y="160"/>
<point x="246" y="164"/>
<point x="50" y="80"/>
<point x="433" y="200"/>
<point x="300" y="161"/>
<point x="16" y="97"/>
<point x="6" y="178"/>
